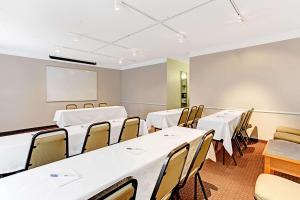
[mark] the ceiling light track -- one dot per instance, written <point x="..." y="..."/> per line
<point x="236" y="9"/>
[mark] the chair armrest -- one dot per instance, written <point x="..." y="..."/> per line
<point x="288" y="130"/>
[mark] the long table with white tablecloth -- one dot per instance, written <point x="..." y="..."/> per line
<point x="65" y="118"/>
<point x="82" y="176"/>
<point x="14" y="149"/>
<point x="224" y="124"/>
<point x="163" y="119"/>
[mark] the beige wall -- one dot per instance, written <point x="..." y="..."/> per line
<point x="144" y="89"/>
<point x="174" y="67"/>
<point x="23" y="91"/>
<point x="265" y="77"/>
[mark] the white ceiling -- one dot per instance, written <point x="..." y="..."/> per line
<point x="93" y="30"/>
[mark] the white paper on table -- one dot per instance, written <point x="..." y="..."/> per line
<point x="63" y="177"/>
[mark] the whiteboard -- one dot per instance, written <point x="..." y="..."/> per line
<point x="65" y="84"/>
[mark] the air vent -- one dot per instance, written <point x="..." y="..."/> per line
<point x="72" y="60"/>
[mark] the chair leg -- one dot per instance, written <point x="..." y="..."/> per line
<point x="236" y="142"/>
<point x="234" y="159"/>
<point x="195" y="187"/>
<point x="202" y="186"/>
<point x="223" y="155"/>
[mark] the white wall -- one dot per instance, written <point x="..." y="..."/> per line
<point x="144" y="89"/>
<point x="23" y="91"/>
<point x="265" y="77"/>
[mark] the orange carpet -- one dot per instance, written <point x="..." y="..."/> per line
<point x="229" y="181"/>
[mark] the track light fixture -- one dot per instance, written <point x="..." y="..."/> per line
<point x="117" y="5"/>
<point x="181" y="37"/>
<point x="236" y="9"/>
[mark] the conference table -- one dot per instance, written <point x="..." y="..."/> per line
<point x="163" y="119"/>
<point x="73" y="117"/>
<point x="82" y="176"/>
<point x="224" y="124"/>
<point x="14" y="149"/>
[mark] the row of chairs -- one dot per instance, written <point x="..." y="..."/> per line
<point x="240" y="136"/>
<point x="52" y="145"/>
<point x="170" y="179"/>
<point x="190" y="117"/>
<point x="86" y="105"/>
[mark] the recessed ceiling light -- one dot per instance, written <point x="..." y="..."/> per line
<point x="181" y="37"/>
<point x="134" y="51"/>
<point x="117" y="5"/>
<point x="76" y="39"/>
<point x="121" y="61"/>
<point x="57" y="50"/>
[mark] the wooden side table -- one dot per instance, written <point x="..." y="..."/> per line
<point x="282" y="156"/>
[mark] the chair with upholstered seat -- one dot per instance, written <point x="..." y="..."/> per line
<point x="71" y="106"/>
<point x="97" y="136"/>
<point x="102" y="104"/>
<point x="170" y="174"/>
<point x="198" y="162"/>
<point x="130" y="129"/>
<point x="271" y="187"/>
<point x="183" y="117"/>
<point x="88" y="105"/>
<point x="122" y="190"/>
<point x="198" y="114"/>
<point x="47" y="147"/>
<point x="191" y="117"/>
<point x="287" y="134"/>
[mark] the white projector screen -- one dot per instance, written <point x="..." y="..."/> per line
<point x="65" y="84"/>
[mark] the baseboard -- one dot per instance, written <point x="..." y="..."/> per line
<point x="14" y="132"/>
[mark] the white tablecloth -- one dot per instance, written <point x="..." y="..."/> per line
<point x="65" y="118"/>
<point x="163" y="119"/>
<point x="14" y="149"/>
<point x="224" y="124"/>
<point x="99" y="169"/>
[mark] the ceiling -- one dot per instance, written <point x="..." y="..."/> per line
<point x="141" y="31"/>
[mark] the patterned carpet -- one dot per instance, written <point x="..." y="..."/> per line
<point x="229" y="181"/>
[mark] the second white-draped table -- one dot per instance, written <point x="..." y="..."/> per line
<point x="224" y="124"/>
<point x="14" y="149"/>
<point x="87" y="174"/>
<point x="163" y="119"/>
<point x="65" y="118"/>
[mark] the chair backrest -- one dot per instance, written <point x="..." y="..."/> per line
<point x="88" y="105"/>
<point x="183" y="117"/>
<point x="192" y="116"/>
<point x="240" y="124"/>
<point x="47" y="147"/>
<point x="71" y="106"/>
<point x="102" y="104"/>
<point x="122" y="190"/>
<point x="130" y="129"/>
<point x="200" y="155"/>
<point x="248" y="117"/>
<point x="97" y="136"/>
<point x="199" y="112"/>
<point x="170" y="173"/>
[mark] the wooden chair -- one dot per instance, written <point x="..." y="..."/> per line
<point x="122" y="190"/>
<point x="47" y="147"/>
<point x="170" y="174"/>
<point x="71" y="106"/>
<point x="183" y="117"/>
<point x="97" y="136"/>
<point x="199" y="114"/>
<point x="247" y="124"/>
<point x="130" y="129"/>
<point x="88" y="105"/>
<point x="191" y="117"/>
<point x="198" y="162"/>
<point x="102" y="104"/>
